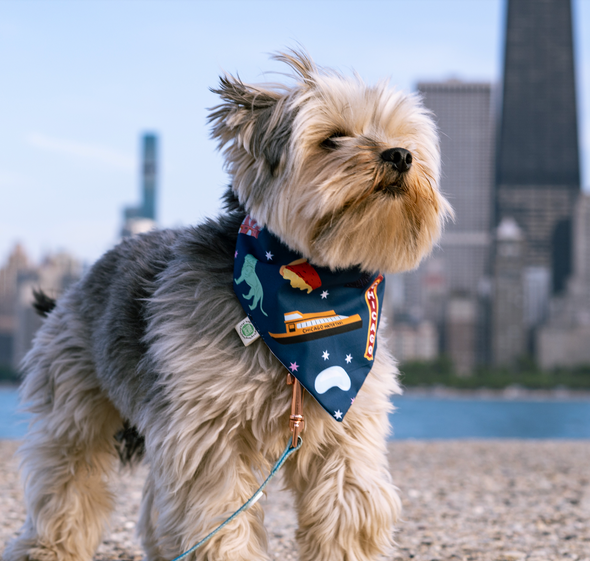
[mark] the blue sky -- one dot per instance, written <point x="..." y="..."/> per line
<point x="82" y="79"/>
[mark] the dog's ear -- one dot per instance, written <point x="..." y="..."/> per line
<point x="300" y="61"/>
<point x="253" y="119"/>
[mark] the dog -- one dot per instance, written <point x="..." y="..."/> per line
<point x="346" y="176"/>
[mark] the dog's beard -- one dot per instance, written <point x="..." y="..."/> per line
<point x="382" y="231"/>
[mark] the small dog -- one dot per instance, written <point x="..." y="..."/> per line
<point x="343" y="174"/>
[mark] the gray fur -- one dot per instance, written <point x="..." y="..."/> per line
<point x="114" y="297"/>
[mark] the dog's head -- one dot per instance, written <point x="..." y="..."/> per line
<point x="343" y="173"/>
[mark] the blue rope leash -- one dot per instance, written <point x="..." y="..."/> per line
<point x="288" y="451"/>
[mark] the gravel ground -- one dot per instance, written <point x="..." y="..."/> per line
<point x="463" y="500"/>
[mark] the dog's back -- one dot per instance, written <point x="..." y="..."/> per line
<point x="110" y="305"/>
<point x="113" y="301"/>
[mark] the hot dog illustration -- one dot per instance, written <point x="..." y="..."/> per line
<point x="301" y="275"/>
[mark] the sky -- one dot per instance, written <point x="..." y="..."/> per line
<point x="80" y="81"/>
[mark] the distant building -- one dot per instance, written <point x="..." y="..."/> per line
<point x="565" y="339"/>
<point x="413" y="341"/>
<point x="54" y="275"/>
<point x="508" y="328"/>
<point x="459" y="268"/>
<point x="538" y="176"/>
<point x="463" y="112"/>
<point x="18" y="278"/>
<point x="504" y="282"/>
<point x="460" y="330"/>
<point x="16" y="265"/>
<point x="142" y="218"/>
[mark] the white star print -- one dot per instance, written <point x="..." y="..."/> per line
<point x="326" y="355"/>
<point x="325" y="294"/>
<point x="348" y="359"/>
<point x="269" y="256"/>
<point x="338" y="414"/>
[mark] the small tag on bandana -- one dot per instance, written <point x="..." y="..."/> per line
<point x="247" y="332"/>
<point x="321" y="324"/>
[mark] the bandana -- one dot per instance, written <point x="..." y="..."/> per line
<point x="320" y="324"/>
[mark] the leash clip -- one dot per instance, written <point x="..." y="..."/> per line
<point x="296" y="420"/>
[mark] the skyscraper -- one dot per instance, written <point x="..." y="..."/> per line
<point x="462" y="111"/>
<point x="141" y="218"/>
<point x="508" y="327"/>
<point x="447" y="288"/>
<point x="563" y="339"/>
<point x="537" y="175"/>
<point x="150" y="145"/>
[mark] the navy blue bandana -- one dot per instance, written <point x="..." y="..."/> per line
<point x="321" y="324"/>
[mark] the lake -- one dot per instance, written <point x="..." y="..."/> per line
<point x="432" y="417"/>
<point x="12" y="424"/>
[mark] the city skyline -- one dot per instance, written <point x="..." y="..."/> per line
<point x="71" y="162"/>
<point x="513" y="262"/>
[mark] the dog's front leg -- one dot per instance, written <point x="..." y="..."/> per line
<point x="211" y="491"/>
<point x="347" y="504"/>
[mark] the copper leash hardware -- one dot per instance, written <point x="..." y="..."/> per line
<point x="296" y="420"/>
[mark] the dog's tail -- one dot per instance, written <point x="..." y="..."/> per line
<point x="43" y="304"/>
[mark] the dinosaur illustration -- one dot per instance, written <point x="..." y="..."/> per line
<point x="249" y="275"/>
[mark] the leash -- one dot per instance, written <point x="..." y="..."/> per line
<point x="296" y="422"/>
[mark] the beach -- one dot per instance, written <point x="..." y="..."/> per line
<point x="497" y="500"/>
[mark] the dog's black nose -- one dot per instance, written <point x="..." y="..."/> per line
<point x="400" y="158"/>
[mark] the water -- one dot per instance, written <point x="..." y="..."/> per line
<point x="440" y="418"/>
<point x="13" y="424"/>
<point x="430" y="418"/>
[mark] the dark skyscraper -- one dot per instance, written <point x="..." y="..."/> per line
<point x="537" y="175"/>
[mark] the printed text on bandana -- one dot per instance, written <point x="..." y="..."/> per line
<point x="373" y="304"/>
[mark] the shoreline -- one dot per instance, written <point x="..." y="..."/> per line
<point x="510" y="393"/>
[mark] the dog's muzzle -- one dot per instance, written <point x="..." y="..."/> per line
<point x="398" y="162"/>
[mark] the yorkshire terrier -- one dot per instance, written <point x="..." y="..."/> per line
<point x="344" y="176"/>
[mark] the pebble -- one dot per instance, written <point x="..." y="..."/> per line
<point x="463" y="501"/>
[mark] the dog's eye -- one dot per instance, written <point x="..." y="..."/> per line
<point x="330" y="142"/>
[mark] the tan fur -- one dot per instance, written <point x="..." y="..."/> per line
<point x="214" y="413"/>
